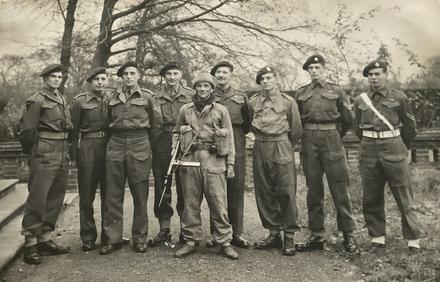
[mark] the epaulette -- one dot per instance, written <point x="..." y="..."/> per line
<point x="255" y="96"/>
<point x="287" y="96"/>
<point x="147" y="90"/>
<point x="400" y="92"/>
<point x="79" y="96"/>
<point x="37" y="98"/>
<point x="302" y="88"/>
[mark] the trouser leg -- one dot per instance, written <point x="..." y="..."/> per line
<point x="265" y="194"/>
<point x="313" y="173"/>
<point x="336" y="170"/>
<point x="164" y="212"/>
<point x="46" y="186"/>
<point x="399" y="180"/>
<point x="192" y="188"/>
<point x="235" y="195"/>
<point x="373" y="182"/>
<point x="214" y="188"/>
<point x="138" y="172"/>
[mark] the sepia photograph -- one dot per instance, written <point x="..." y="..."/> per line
<point x="219" y="140"/>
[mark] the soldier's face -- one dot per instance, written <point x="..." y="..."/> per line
<point x="172" y="77"/>
<point x="223" y="75"/>
<point x="53" y="80"/>
<point x="316" y="71"/>
<point x="99" y="82"/>
<point x="204" y="89"/>
<point x="377" y="77"/>
<point x="130" y="76"/>
<point x="268" y="81"/>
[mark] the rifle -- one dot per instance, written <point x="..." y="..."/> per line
<point x="174" y="163"/>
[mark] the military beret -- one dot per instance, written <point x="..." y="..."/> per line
<point x="126" y="65"/>
<point x="170" y="66"/>
<point x="264" y="71"/>
<point x="94" y="72"/>
<point x="222" y="64"/>
<point x="314" y="59"/>
<point x="52" y="68"/>
<point x="204" y="77"/>
<point x="374" y="65"/>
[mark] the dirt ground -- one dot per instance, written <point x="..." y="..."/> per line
<point x="158" y="264"/>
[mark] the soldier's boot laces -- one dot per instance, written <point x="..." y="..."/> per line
<point x="162" y="238"/>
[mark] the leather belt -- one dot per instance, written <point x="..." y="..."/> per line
<point x="381" y="134"/>
<point x="202" y="145"/>
<point x="93" y="134"/>
<point x="270" y="138"/>
<point x="320" y="126"/>
<point x="130" y="133"/>
<point x="53" y="135"/>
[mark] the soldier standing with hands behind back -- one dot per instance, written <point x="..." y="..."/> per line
<point x="326" y="116"/>
<point x="44" y="129"/>
<point x="277" y="127"/>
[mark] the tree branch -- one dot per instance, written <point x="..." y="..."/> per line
<point x="164" y="25"/>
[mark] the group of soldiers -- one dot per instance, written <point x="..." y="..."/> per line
<point x="120" y="136"/>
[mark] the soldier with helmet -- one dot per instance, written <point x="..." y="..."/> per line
<point x="44" y="131"/>
<point x="206" y="136"/>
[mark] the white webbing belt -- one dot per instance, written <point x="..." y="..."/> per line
<point x="368" y="102"/>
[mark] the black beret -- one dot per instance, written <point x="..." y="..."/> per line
<point x="222" y="64"/>
<point x="126" y="65"/>
<point x="374" y="65"/>
<point x="314" y="59"/>
<point x="52" y="68"/>
<point x="264" y="71"/>
<point x="170" y="66"/>
<point x="94" y="72"/>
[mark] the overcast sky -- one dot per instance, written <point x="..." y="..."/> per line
<point x="415" y="22"/>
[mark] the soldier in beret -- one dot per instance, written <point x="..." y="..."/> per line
<point x="134" y="124"/>
<point x="171" y="96"/>
<point x="89" y="119"/>
<point x="386" y="126"/>
<point x="236" y="101"/>
<point x="44" y="130"/>
<point x="326" y="116"/>
<point x="205" y="132"/>
<point x="277" y="128"/>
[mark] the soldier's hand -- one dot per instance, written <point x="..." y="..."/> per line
<point x="230" y="171"/>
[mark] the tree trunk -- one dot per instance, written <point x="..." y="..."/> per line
<point x="103" y="49"/>
<point x="66" y="42"/>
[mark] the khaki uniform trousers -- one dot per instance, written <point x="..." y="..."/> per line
<point x="127" y="159"/>
<point x="49" y="169"/>
<point x="91" y="172"/>
<point x="385" y="161"/>
<point x="275" y="185"/>
<point x="323" y="152"/>
<point x="208" y="180"/>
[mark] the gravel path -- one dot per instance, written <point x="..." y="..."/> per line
<point x="158" y="264"/>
